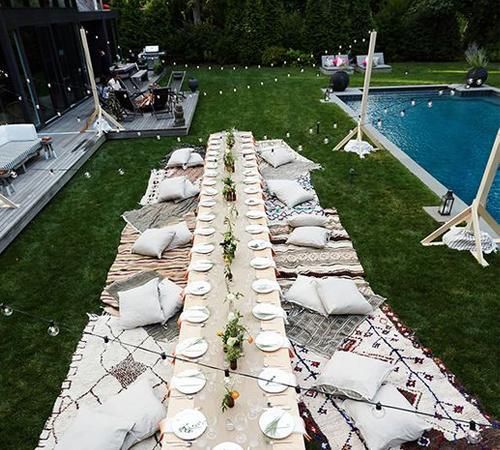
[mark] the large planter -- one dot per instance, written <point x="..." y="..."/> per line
<point x="193" y="84"/>
<point x="476" y="77"/>
<point x="339" y="81"/>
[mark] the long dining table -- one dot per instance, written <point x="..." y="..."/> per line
<point x="238" y="425"/>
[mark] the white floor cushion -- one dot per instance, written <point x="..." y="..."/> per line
<point x="354" y="376"/>
<point x="93" y="429"/>
<point x="303" y="292"/>
<point x="277" y="156"/>
<point x="190" y="190"/>
<point x="137" y="404"/>
<point x="140" y="306"/>
<point x="170" y="298"/>
<point x="172" y="189"/>
<point x="316" y="237"/>
<point x="182" y="235"/>
<point x="307" y="220"/>
<point x="290" y="192"/>
<point x="153" y="242"/>
<point x="195" y="160"/>
<point x="180" y="157"/>
<point x="341" y="296"/>
<point x="390" y="428"/>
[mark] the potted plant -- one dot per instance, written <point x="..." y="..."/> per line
<point x="232" y="338"/>
<point x="229" y="398"/>
<point x="477" y="60"/>
<point x="229" y="189"/>
<point x="229" y="244"/>
<point x="229" y="160"/>
<point x="230" y="139"/>
<point x="193" y="84"/>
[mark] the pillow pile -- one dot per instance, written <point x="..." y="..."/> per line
<point x="316" y="237"/>
<point x="152" y="302"/>
<point x="121" y="422"/>
<point x="277" y="156"/>
<point x="184" y="157"/>
<point x="307" y="220"/>
<point x="289" y="192"/>
<point x="327" y="296"/>
<point x="176" y="189"/>
<point x="154" y="241"/>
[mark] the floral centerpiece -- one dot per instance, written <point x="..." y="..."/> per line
<point x="229" y="189"/>
<point x="232" y="338"/>
<point x="229" y="398"/>
<point x="229" y="160"/>
<point x="230" y="138"/>
<point x="229" y="244"/>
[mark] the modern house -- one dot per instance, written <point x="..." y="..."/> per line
<point x="42" y="71"/>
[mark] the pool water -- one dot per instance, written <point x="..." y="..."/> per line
<point x="452" y="139"/>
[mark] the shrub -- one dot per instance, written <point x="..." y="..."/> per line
<point x="274" y="56"/>
<point x="299" y="58"/>
<point x="475" y="56"/>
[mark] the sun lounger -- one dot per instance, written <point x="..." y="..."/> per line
<point x="18" y="144"/>
<point x="379" y="64"/>
<point x="334" y="63"/>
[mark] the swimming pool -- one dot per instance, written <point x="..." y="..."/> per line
<point x="452" y="139"/>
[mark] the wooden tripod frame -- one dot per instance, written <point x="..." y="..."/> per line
<point x="98" y="112"/>
<point x="360" y="128"/>
<point x="6" y="203"/>
<point x="476" y="210"/>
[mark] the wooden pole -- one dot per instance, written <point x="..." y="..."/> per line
<point x="472" y="214"/>
<point x="98" y="112"/>
<point x="6" y="203"/>
<point x="366" y="84"/>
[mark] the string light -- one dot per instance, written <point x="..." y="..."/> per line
<point x="300" y="148"/>
<point x="121" y="172"/>
<point x="335" y="125"/>
<point x="53" y="329"/>
<point x="429" y="103"/>
<point x="379" y="123"/>
<point x="413" y="102"/>
<point x="6" y="310"/>
<point x="158" y="137"/>
<point x="402" y="113"/>
<point x="87" y="175"/>
<point x="378" y="411"/>
<point x="287" y="134"/>
<point x="326" y="140"/>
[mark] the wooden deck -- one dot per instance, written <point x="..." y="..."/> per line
<point x="36" y="187"/>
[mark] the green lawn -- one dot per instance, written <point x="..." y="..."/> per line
<point x="57" y="266"/>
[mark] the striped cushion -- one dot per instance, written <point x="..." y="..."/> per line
<point x="13" y="154"/>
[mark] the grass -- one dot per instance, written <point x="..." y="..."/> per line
<point x="57" y="267"/>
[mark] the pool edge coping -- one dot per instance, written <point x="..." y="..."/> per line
<point x="416" y="169"/>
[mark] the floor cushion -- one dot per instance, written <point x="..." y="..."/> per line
<point x="180" y="157"/>
<point x="93" y="429"/>
<point x="140" y="306"/>
<point x="190" y="190"/>
<point x="172" y="189"/>
<point x="390" y="427"/>
<point x="137" y="404"/>
<point x="303" y="292"/>
<point x="195" y="160"/>
<point x="277" y="156"/>
<point x="307" y="220"/>
<point x="341" y="296"/>
<point x="289" y="192"/>
<point x="153" y="242"/>
<point x="170" y="298"/>
<point x="182" y="235"/>
<point x="315" y="237"/>
<point x="137" y="279"/>
<point x="352" y="375"/>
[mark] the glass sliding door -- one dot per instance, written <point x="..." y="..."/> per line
<point x="10" y="105"/>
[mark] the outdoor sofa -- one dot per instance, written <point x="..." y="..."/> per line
<point x="379" y="64"/>
<point x="335" y="63"/>
<point x="18" y="144"/>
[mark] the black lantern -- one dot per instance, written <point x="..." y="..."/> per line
<point x="446" y="206"/>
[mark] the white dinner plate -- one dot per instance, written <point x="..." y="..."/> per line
<point x="205" y="231"/>
<point x="277" y="380"/>
<point x="256" y="229"/>
<point x="283" y="421"/>
<point x="189" y="381"/>
<point x="255" y="214"/>
<point x="211" y="165"/>
<point x="203" y="249"/>
<point x="211" y="173"/>
<point x="210" y="191"/>
<point x="251" y="190"/>
<point x="250" y="172"/>
<point x="203" y="265"/>
<point x="228" y="446"/>
<point x="251" y="180"/>
<point x="265" y="286"/>
<point x="196" y="314"/>
<point x="189" y="424"/>
<point x="206" y="217"/>
<point x="261" y="263"/>
<point x="258" y="244"/>
<point x="209" y="182"/>
<point x="192" y="347"/>
<point x="269" y="341"/>
<point x="267" y="311"/>
<point x="207" y="203"/>
<point x="213" y="153"/>
<point x="198" y="287"/>
<point x="254" y="201"/>
<point x="249" y="164"/>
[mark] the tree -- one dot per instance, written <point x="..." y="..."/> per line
<point x="317" y="32"/>
<point x="251" y="42"/>
<point x="273" y="22"/>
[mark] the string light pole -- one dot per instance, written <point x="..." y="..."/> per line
<point x="98" y="114"/>
<point x="358" y="145"/>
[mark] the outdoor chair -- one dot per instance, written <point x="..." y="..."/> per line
<point x="163" y="102"/>
<point x="335" y="63"/>
<point x="128" y="104"/>
<point x="379" y="64"/>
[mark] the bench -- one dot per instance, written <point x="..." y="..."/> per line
<point x="140" y="75"/>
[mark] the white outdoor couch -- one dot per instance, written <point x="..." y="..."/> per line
<point x="334" y="63"/>
<point x="379" y="64"/>
<point x="18" y="144"/>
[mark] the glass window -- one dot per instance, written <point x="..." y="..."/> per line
<point x="10" y="106"/>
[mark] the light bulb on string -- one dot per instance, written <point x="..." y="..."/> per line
<point x="87" y="175"/>
<point x="288" y="75"/>
<point x="53" y="329"/>
<point x="78" y="119"/>
<point x="246" y="67"/>
<point x="406" y="72"/>
<point x="378" y="411"/>
<point x="139" y="133"/>
<point x="265" y="137"/>
<point x="429" y="103"/>
<point x="178" y="139"/>
<point x="234" y="89"/>
<point x="158" y="137"/>
<point x="174" y="63"/>
<point x="379" y="123"/>
<point x="258" y="67"/>
<point x="440" y="92"/>
<point x="20" y="98"/>
<point x="355" y="41"/>
<point x="413" y="102"/>
<point x="51" y="172"/>
<point x="326" y="52"/>
<point x="248" y="86"/>
<point x="335" y="125"/>
<point x="197" y="67"/>
<point x="402" y="113"/>
<point x="287" y="134"/>
<point x="473" y="436"/>
<point x="209" y="67"/>
<point x="221" y="67"/>
<point x="314" y="65"/>
<point x="311" y="131"/>
<point x="58" y="113"/>
<point x="220" y="92"/>
<point x="385" y="110"/>
<point x="272" y="64"/>
<point x="37" y="106"/>
<point x="49" y="85"/>
<point x="185" y="65"/>
<point x="275" y="80"/>
<point x="105" y="341"/>
<point x="7" y="311"/>
<point x="200" y="140"/>
<point x="121" y="172"/>
<point x="300" y="148"/>
<point x="204" y="94"/>
<point x="284" y="63"/>
<point x="234" y="68"/>
<point x="326" y="140"/>
<point x="302" y="70"/>
<point x="262" y="83"/>
<point x="28" y="80"/>
<point x="452" y="92"/>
